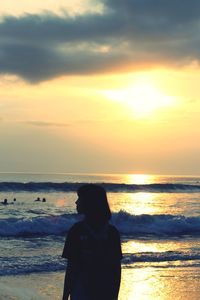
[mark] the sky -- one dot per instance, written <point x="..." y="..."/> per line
<point x="108" y="86"/>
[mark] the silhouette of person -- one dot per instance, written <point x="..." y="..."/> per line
<point x="44" y="200"/>
<point x="93" y="250"/>
<point x="5" y="202"/>
<point x="38" y="199"/>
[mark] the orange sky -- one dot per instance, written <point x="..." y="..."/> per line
<point x="79" y="94"/>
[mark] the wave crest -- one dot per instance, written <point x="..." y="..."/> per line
<point x="110" y="187"/>
<point x="133" y="225"/>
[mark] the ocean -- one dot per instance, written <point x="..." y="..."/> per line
<point x="158" y="218"/>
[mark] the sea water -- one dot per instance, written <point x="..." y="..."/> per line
<point x="158" y="218"/>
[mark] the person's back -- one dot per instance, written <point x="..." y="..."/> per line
<point x="98" y="254"/>
<point x="93" y="251"/>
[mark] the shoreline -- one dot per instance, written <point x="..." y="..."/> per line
<point x="146" y="283"/>
<point x="36" y="286"/>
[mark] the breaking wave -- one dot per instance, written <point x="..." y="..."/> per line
<point x="130" y="225"/>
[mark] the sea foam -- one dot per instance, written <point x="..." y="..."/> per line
<point x="52" y="263"/>
<point x="127" y="224"/>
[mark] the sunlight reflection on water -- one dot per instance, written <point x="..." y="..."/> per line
<point x="140" y="178"/>
<point x="159" y="284"/>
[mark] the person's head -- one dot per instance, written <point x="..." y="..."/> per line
<point x="92" y="202"/>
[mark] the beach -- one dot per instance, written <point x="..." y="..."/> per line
<point x="158" y="218"/>
<point x="102" y="92"/>
<point x="149" y="283"/>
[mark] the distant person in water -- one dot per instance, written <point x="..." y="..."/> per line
<point x="93" y="250"/>
<point x="44" y="200"/>
<point x="5" y="202"/>
<point x="38" y="199"/>
<point x="14" y="200"/>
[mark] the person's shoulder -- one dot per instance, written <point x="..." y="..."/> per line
<point x="76" y="227"/>
<point x="113" y="229"/>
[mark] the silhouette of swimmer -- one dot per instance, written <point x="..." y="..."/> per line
<point x="38" y="199"/>
<point x="14" y="200"/>
<point x="93" y="250"/>
<point x="43" y="200"/>
<point x="5" y="202"/>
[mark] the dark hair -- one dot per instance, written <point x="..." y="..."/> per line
<point x="94" y="203"/>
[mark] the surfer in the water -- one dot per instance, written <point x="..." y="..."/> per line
<point x="93" y="250"/>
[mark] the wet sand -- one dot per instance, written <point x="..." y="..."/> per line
<point x="138" y="283"/>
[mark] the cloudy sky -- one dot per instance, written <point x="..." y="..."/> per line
<point x="100" y="86"/>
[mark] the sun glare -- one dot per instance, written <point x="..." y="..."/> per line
<point x="143" y="98"/>
<point x="139" y="178"/>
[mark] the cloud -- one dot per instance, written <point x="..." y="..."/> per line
<point x="46" y="124"/>
<point x="127" y="35"/>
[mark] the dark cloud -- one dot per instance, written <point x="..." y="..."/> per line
<point x="129" y="34"/>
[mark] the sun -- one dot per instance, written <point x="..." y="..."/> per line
<point x="140" y="178"/>
<point x="142" y="97"/>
